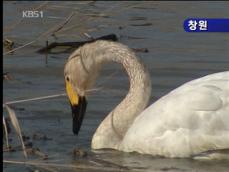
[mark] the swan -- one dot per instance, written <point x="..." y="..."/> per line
<point x="189" y="120"/>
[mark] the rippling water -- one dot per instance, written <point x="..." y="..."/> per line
<point x="174" y="58"/>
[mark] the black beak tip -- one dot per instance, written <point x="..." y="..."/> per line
<point x="78" y="112"/>
<point x="75" y="133"/>
<point x="75" y="129"/>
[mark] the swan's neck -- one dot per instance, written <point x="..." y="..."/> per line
<point x="113" y="128"/>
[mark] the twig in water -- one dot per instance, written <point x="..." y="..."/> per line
<point x="100" y="87"/>
<point x="46" y="53"/>
<point x="16" y="126"/>
<point x="88" y="36"/>
<point x="94" y="89"/>
<point x="143" y="50"/>
<point x="59" y="27"/>
<point x="36" y="151"/>
<point x="8" y="52"/>
<point x="33" y="99"/>
<point x="111" y="37"/>
<point x="5" y="131"/>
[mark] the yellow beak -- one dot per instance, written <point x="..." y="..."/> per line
<point x="72" y="94"/>
<point x="78" y="106"/>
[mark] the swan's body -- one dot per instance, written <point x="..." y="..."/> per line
<point x="191" y="119"/>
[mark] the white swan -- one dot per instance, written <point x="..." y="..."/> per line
<point x="191" y="119"/>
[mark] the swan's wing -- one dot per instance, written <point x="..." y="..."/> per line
<point x="190" y="119"/>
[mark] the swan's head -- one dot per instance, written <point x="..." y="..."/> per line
<point x="80" y="74"/>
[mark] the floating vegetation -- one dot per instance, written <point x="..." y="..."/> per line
<point x="40" y="136"/>
<point x="77" y="152"/>
<point x="73" y="45"/>
<point x="138" y="18"/>
<point x="98" y="15"/>
<point x="26" y="145"/>
<point x="7" y="76"/>
<point x="8" y="44"/>
<point x="36" y="151"/>
<point x="142" y="24"/>
<point x="133" y="37"/>
<point x="143" y="50"/>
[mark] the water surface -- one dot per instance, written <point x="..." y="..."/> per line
<point x="174" y="58"/>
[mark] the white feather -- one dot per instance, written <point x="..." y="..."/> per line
<point x="190" y="119"/>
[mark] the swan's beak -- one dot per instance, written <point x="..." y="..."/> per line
<point x="78" y="106"/>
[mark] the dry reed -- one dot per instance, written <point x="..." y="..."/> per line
<point x="51" y="31"/>
<point x="15" y="123"/>
<point x="5" y="131"/>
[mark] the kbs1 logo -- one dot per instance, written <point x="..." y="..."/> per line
<point x="32" y="14"/>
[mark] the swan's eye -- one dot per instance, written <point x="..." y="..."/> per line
<point x="67" y="78"/>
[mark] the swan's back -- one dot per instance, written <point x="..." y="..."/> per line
<point x="190" y="119"/>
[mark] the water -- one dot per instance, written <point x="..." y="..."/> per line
<point x="174" y="58"/>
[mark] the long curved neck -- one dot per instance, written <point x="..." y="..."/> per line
<point x="120" y="119"/>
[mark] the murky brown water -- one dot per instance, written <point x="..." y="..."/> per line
<point x="174" y="57"/>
